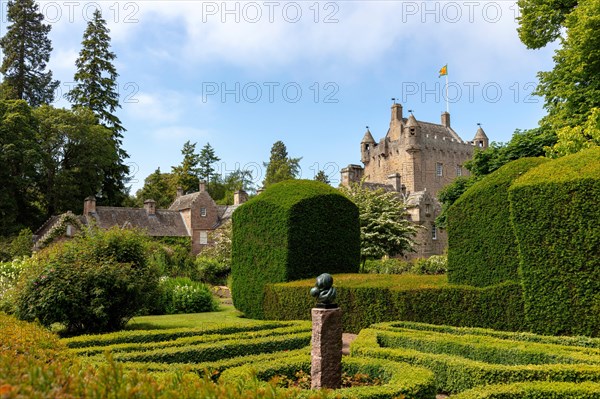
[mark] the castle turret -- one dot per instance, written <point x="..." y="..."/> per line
<point x="413" y="134"/>
<point x="481" y="139"/>
<point x="396" y="113"/>
<point x="366" y="146"/>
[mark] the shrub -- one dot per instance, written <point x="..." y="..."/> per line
<point x="400" y="379"/>
<point x="295" y="229"/>
<point x="435" y="264"/>
<point x="172" y="257"/>
<point x="212" y="271"/>
<point x="555" y="213"/>
<point x="387" y="266"/>
<point x="482" y="247"/>
<point x="368" y="299"/>
<point x="182" y="295"/>
<point x="92" y="283"/>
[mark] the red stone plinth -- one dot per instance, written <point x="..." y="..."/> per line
<point x="326" y="364"/>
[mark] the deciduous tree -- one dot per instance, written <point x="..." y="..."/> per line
<point x="384" y="228"/>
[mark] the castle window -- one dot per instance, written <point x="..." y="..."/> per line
<point x="458" y="170"/>
<point x="203" y="237"/>
<point x="203" y="212"/>
<point x="427" y="209"/>
<point x="439" y="169"/>
<point x="434" y="232"/>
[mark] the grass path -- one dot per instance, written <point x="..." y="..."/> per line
<point x="226" y="315"/>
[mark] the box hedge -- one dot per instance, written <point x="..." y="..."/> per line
<point x="400" y="379"/>
<point x="295" y="229"/>
<point x="482" y="248"/>
<point x="455" y="374"/>
<point x="535" y="390"/>
<point x="555" y="210"/>
<point x="368" y="299"/>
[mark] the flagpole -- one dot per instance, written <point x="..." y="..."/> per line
<point x="447" y="104"/>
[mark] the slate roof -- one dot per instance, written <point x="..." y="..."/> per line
<point x="418" y="197"/>
<point x="184" y="202"/>
<point x="164" y="223"/>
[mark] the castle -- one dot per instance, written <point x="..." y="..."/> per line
<point x="416" y="159"/>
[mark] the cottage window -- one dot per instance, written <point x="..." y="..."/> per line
<point x="203" y="237"/>
<point x="202" y="212"/>
<point x="458" y="170"/>
<point x="439" y="169"/>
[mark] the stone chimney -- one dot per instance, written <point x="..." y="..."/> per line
<point x="202" y="186"/>
<point x="89" y="205"/>
<point x="396" y="181"/>
<point x="150" y="207"/>
<point x="179" y="191"/>
<point x="239" y="197"/>
<point x="446" y="119"/>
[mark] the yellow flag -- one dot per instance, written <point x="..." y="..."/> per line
<point x="443" y="71"/>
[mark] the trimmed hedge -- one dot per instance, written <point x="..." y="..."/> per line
<point x="295" y="229"/>
<point x="455" y="374"/>
<point x="194" y="340"/>
<point x="555" y="210"/>
<point x="482" y="247"/>
<point x="401" y="326"/>
<point x="35" y="364"/>
<point x="368" y="299"/>
<point x="535" y="390"/>
<point x="212" y="351"/>
<point x="401" y="379"/>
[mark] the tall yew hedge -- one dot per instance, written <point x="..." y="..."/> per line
<point x="482" y="248"/>
<point x="295" y="229"/>
<point x="555" y="211"/>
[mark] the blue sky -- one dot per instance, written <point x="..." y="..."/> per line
<point x="244" y="74"/>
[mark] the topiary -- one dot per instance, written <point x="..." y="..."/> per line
<point x="295" y="229"/>
<point x="482" y="247"/>
<point x="555" y="214"/>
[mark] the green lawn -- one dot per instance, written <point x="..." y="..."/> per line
<point x="226" y="315"/>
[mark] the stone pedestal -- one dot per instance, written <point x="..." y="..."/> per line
<point x="326" y="364"/>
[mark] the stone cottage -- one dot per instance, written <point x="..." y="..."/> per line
<point x="191" y="215"/>
<point x="416" y="159"/>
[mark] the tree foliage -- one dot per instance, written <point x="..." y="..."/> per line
<point x="322" y="177"/>
<point x="280" y="166"/>
<point x="540" y="21"/>
<point x="96" y="88"/>
<point x="26" y="50"/>
<point x="19" y="156"/>
<point x="384" y="228"/>
<point x="75" y="152"/>
<point x="206" y="169"/>
<point x="161" y="187"/>
<point x="572" y="88"/>
<point x="186" y="174"/>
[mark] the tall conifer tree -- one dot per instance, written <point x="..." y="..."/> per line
<point x="26" y="48"/>
<point x="96" y="88"/>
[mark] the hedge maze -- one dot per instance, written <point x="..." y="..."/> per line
<point x="465" y="359"/>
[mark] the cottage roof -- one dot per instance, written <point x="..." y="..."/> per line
<point x="164" y="223"/>
<point x="418" y="197"/>
<point x="187" y="201"/>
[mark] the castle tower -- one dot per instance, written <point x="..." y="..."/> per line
<point x="413" y="134"/>
<point x="481" y="139"/>
<point x="366" y="146"/>
<point x="396" y="122"/>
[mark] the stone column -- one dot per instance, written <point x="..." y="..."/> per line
<point x="326" y="364"/>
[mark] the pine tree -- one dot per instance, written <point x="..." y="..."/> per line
<point x="280" y="166"/>
<point x="26" y="50"/>
<point x="322" y="177"/>
<point x="186" y="174"/>
<point x="206" y="170"/>
<point x="96" y="89"/>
